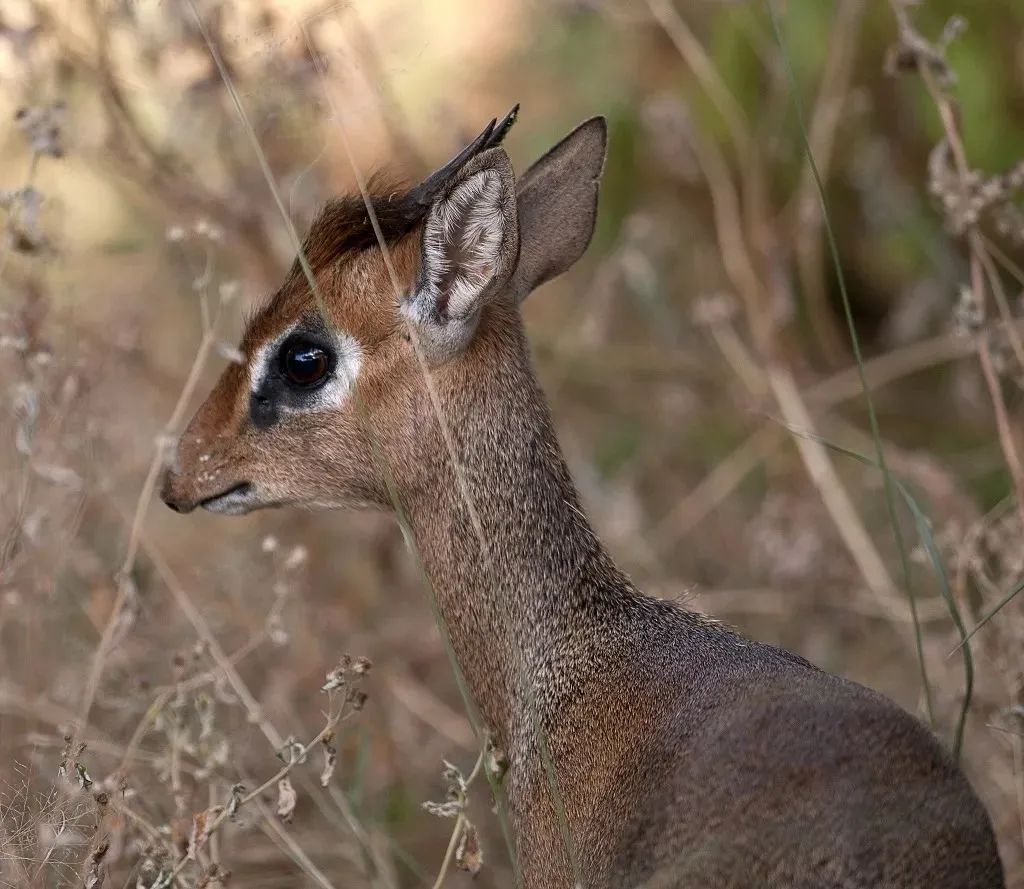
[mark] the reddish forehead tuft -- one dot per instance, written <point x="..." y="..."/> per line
<point x="352" y="278"/>
<point x="344" y="226"/>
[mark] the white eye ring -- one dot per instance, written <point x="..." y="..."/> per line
<point x="331" y="390"/>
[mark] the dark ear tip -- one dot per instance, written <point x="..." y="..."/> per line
<point x="595" y="130"/>
<point x="598" y="124"/>
<point x="501" y="129"/>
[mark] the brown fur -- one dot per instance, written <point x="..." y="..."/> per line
<point x="685" y="755"/>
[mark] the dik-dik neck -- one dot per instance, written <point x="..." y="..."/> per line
<point x="539" y="582"/>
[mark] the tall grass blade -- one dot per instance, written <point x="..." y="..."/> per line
<point x="924" y="532"/>
<point x="1000" y="605"/>
<point x="381" y="462"/>
<point x="855" y="344"/>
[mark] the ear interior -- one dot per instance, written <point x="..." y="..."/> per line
<point x="557" y="205"/>
<point x="468" y="238"/>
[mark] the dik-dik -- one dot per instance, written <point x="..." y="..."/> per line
<point x="684" y="755"/>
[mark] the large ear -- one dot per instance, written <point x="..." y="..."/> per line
<point x="469" y="250"/>
<point x="557" y="199"/>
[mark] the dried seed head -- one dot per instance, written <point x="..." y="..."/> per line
<point x="456" y="788"/>
<point x="348" y="672"/>
<point x="469" y="856"/>
<point x="97" y="872"/>
<point x="237" y="791"/>
<point x="42" y="125"/>
<point x="495" y="761"/>
<point x="203" y="824"/>
<point x="287" y="799"/>
<point x="969" y="313"/>
<point x="330" y="759"/>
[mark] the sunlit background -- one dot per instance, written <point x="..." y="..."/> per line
<point x="689" y="358"/>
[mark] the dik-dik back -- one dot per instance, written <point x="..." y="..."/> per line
<point x="647" y="745"/>
<point x="777" y="774"/>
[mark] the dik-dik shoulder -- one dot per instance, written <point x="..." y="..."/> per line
<point x="819" y="782"/>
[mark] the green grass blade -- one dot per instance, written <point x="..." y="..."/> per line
<point x="1000" y="605"/>
<point x="924" y="532"/>
<point x="855" y="344"/>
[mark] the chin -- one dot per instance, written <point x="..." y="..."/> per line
<point x="243" y="500"/>
<point x="227" y="507"/>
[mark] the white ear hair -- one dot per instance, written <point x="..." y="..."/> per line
<point x="469" y="251"/>
<point x="461" y="244"/>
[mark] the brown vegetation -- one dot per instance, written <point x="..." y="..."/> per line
<point x="161" y="703"/>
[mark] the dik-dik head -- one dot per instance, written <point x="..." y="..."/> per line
<point x="331" y="383"/>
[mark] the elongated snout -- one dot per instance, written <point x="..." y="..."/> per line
<point x="198" y="477"/>
<point x="183" y="495"/>
<point x="207" y="467"/>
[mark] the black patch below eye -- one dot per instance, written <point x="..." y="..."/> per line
<point x="262" y="410"/>
<point x="303" y="363"/>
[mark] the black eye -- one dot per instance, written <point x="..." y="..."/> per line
<point x="304" y="364"/>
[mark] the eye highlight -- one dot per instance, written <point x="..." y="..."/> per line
<point x="304" y="364"/>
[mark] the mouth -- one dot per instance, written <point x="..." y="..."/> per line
<point x="235" y="501"/>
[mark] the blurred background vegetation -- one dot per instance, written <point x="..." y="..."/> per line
<point x="686" y="358"/>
